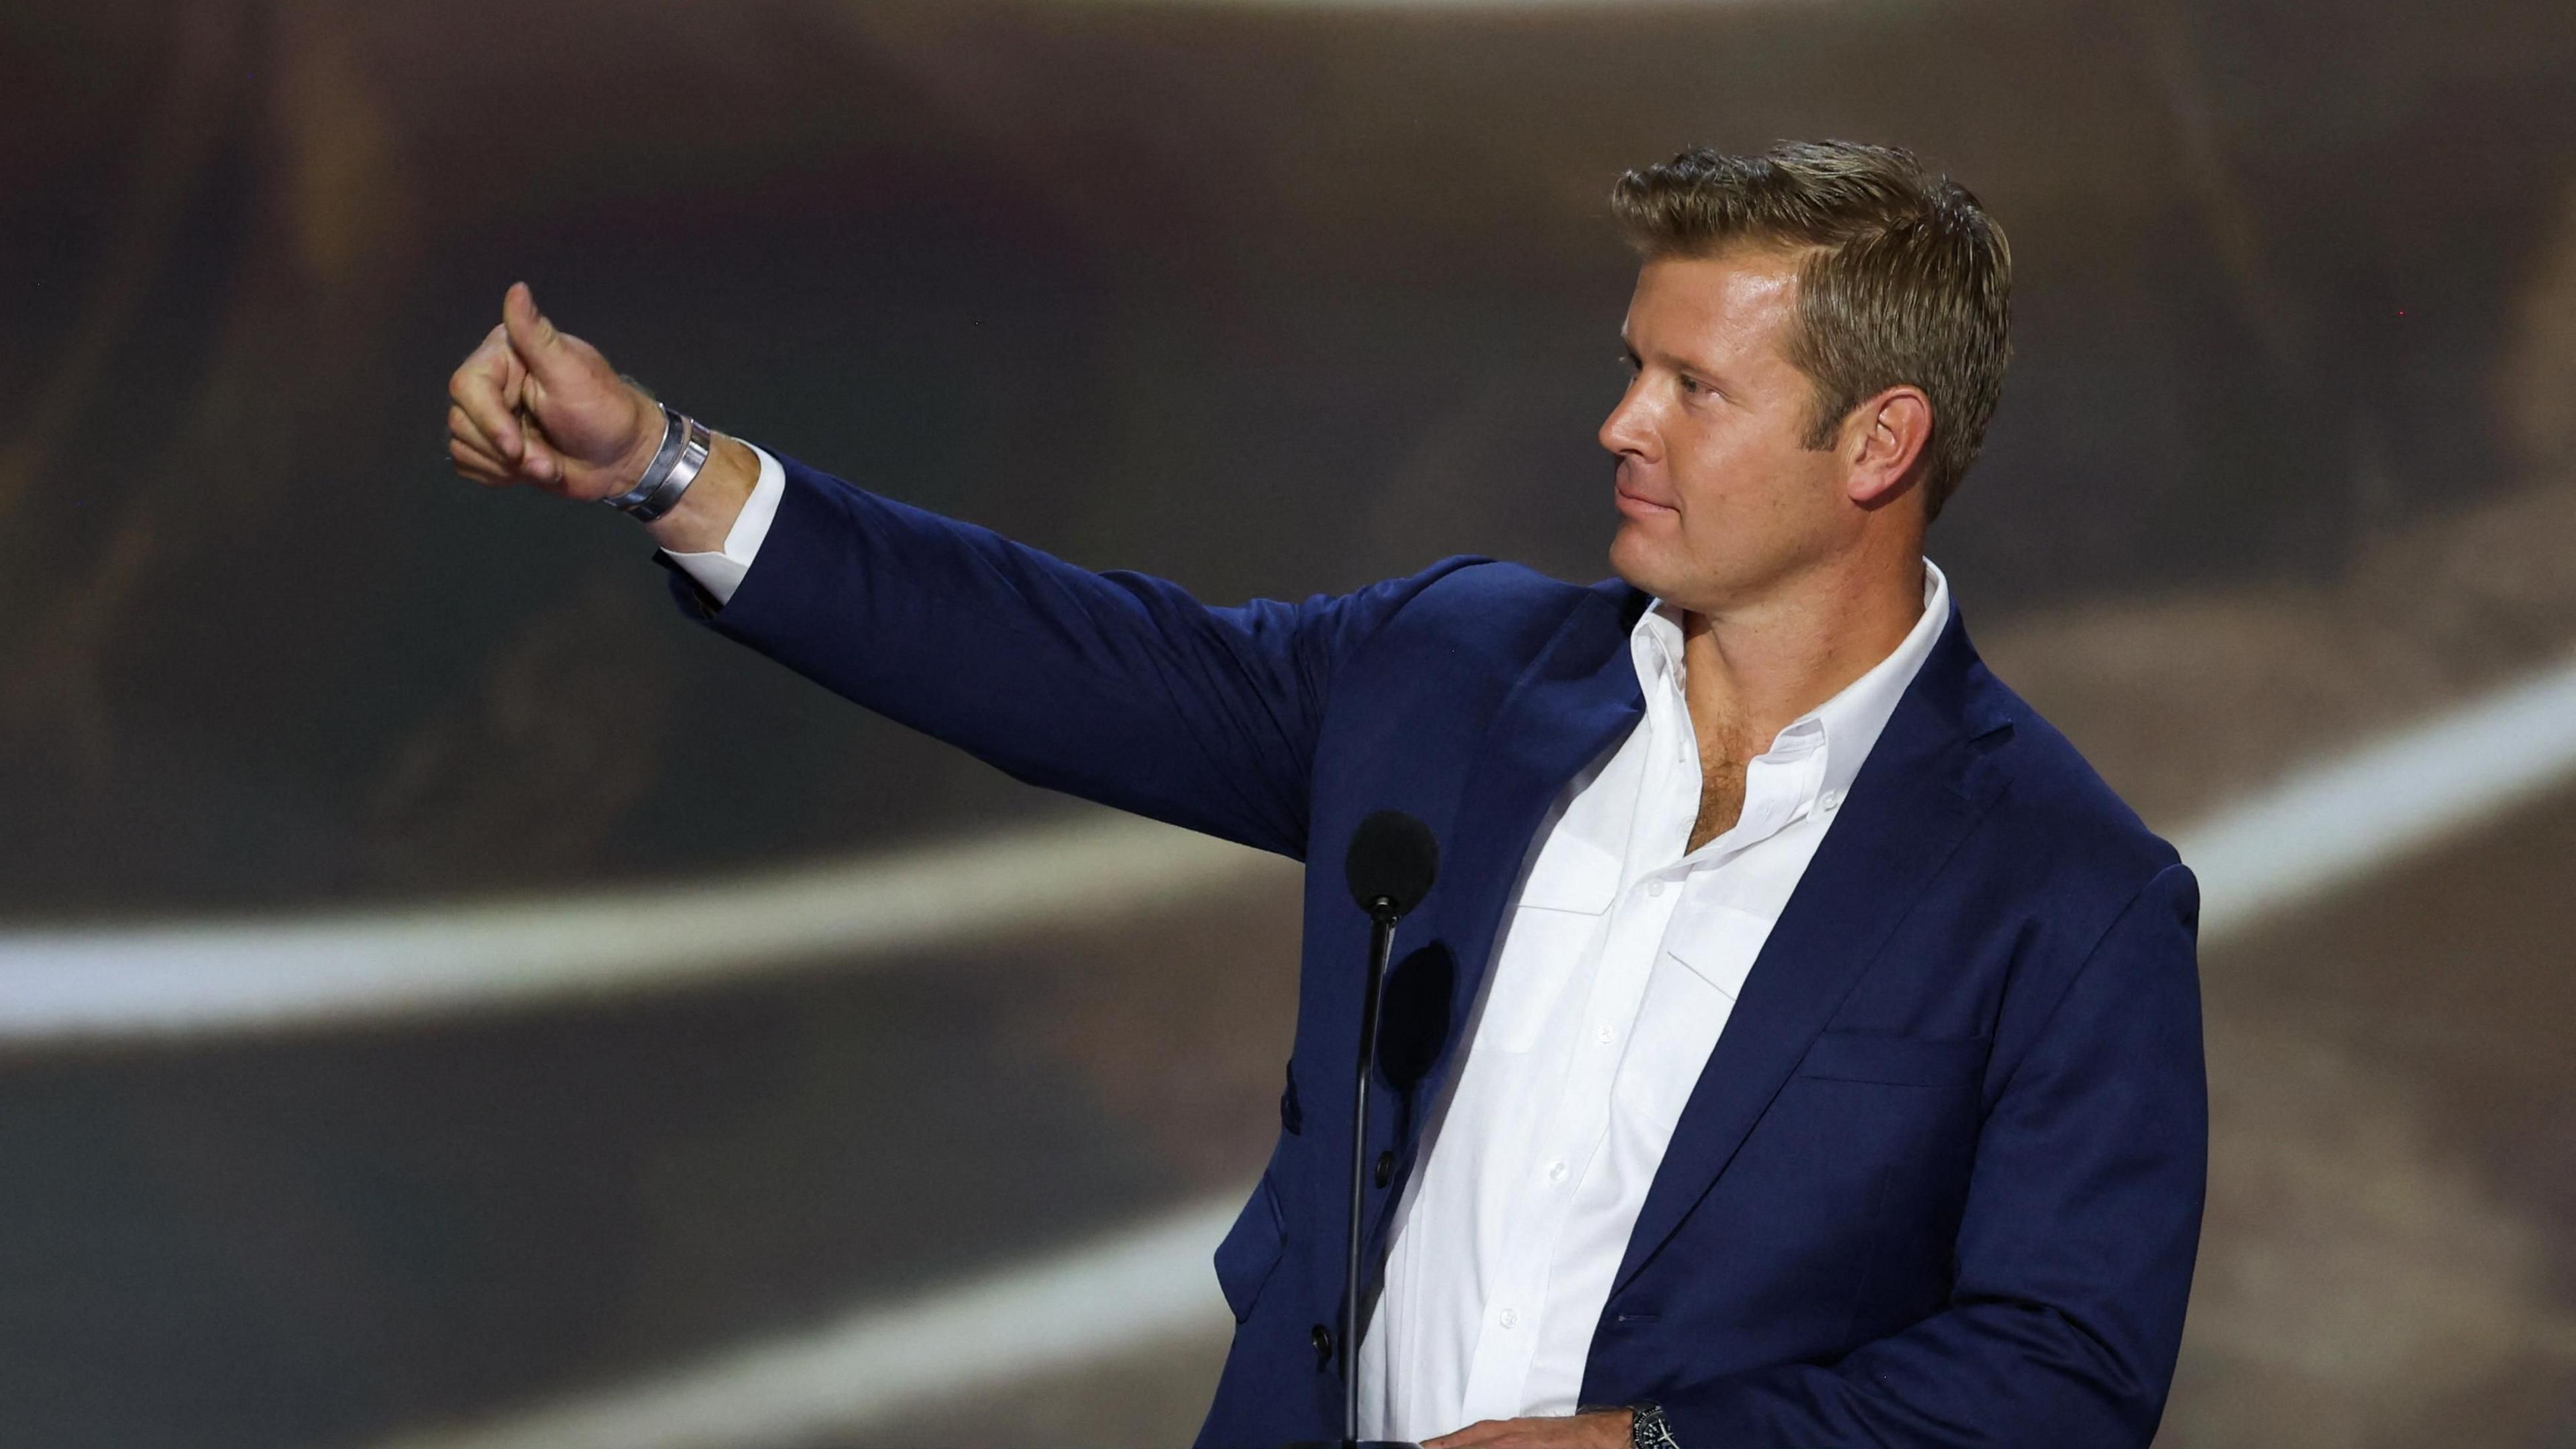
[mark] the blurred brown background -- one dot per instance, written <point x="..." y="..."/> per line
<point x="1268" y="299"/>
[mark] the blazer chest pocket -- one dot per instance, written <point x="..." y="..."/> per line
<point x="1251" y="1250"/>
<point x="1909" y="1061"/>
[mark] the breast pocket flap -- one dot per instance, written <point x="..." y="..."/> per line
<point x="1572" y="874"/>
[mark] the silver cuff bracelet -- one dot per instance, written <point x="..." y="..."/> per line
<point x="685" y="445"/>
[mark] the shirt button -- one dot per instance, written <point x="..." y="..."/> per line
<point x="1511" y="1318"/>
<point x="1605" y="1034"/>
<point x="1830" y="799"/>
<point x="1556" y="1172"/>
<point x="1654" y="887"/>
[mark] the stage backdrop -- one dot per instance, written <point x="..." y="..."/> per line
<point x="443" y="988"/>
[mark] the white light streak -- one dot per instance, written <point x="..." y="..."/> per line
<point x="197" y="979"/>
<point x="1144" y="1285"/>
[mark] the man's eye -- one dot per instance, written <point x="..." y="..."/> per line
<point x="1689" y="383"/>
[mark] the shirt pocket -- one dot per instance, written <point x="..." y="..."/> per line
<point x="1708" y="948"/>
<point x="1562" y="908"/>
<point x="1717" y="941"/>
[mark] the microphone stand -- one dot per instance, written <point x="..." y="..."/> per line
<point x="1392" y="862"/>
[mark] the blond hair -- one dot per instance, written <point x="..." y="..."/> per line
<point x="1905" y="279"/>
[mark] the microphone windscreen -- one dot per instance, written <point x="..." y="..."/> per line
<point x="1393" y="858"/>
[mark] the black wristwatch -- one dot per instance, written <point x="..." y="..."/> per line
<point x="1648" y="1430"/>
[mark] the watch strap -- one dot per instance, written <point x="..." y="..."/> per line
<point x="1648" y="1430"/>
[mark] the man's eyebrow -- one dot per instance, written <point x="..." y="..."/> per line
<point x="1669" y="359"/>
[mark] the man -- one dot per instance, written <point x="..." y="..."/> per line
<point x="1813" y="1040"/>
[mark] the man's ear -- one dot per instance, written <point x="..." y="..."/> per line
<point x="1884" y="439"/>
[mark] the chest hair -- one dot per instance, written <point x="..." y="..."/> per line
<point x="1721" y="793"/>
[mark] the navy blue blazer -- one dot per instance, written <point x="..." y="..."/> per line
<point x="1940" y="1180"/>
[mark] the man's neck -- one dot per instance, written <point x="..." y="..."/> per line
<point x="1748" y="671"/>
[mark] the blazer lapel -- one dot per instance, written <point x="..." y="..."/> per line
<point x="1910" y="806"/>
<point x="1575" y="700"/>
<point x="1578" y="697"/>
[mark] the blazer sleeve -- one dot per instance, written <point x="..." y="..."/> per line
<point x="2075" y="1250"/>
<point x="1115" y="686"/>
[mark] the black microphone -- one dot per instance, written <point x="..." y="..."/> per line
<point x="1393" y="860"/>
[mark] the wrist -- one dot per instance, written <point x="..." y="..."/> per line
<point x="1617" y="1424"/>
<point x="629" y="468"/>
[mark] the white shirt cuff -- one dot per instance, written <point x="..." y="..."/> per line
<point x="722" y="573"/>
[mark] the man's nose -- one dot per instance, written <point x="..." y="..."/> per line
<point x="1628" y="429"/>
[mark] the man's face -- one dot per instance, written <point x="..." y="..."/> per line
<point x="1718" y="496"/>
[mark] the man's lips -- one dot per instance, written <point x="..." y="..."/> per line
<point x="1636" y="507"/>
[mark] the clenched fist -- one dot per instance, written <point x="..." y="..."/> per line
<point x="537" y="405"/>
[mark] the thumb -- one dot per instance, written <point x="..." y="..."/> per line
<point x="533" y="336"/>
<point x="536" y="457"/>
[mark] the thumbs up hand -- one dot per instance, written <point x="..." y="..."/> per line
<point x="536" y="405"/>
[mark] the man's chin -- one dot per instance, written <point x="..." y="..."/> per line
<point x="1638" y="563"/>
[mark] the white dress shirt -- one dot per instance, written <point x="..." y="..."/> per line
<point x="1615" y="971"/>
